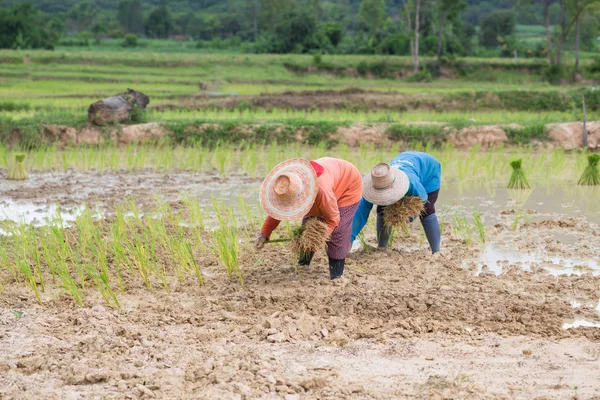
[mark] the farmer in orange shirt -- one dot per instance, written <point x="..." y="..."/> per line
<point x="327" y="188"/>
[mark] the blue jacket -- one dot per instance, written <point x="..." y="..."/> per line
<point x="424" y="175"/>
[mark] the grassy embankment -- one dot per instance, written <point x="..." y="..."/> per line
<point x="57" y="87"/>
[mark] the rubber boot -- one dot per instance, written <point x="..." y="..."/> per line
<point x="383" y="232"/>
<point x="336" y="268"/>
<point x="306" y="258"/>
<point x="431" y="226"/>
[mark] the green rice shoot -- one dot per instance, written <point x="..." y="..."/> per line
<point x="518" y="180"/>
<point x="18" y="172"/>
<point x="591" y="174"/>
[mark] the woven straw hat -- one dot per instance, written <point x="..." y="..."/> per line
<point x="290" y="190"/>
<point x="385" y="185"/>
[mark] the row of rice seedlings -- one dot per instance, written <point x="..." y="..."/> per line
<point x="226" y="242"/>
<point x="103" y="255"/>
<point x="256" y="160"/>
<point x="463" y="227"/>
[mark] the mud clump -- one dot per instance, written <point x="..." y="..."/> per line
<point x="570" y="135"/>
<point x="486" y="136"/>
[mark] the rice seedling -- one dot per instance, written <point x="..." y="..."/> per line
<point x="226" y="242"/>
<point x="25" y="269"/>
<point x="518" y="218"/>
<point x="310" y="237"/>
<point x="399" y="214"/>
<point x="192" y="261"/>
<point x="479" y="226"/>
<point x="18" y="172"/>
<point x="226" y="247"/>
<point x="518" y="180"/>
<point x="363" y="242"/>
<point x="461" y="228"/>
<point x="591" y="174"/>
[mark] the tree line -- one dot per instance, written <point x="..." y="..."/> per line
<point x="400" y="27"/>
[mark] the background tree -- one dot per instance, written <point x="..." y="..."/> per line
<point x="334" y="32"/>
<point x="159" y="23"/>
<point x="131" y="18"/>
<point x="20" y="27"/>
<point x="576" y="9"/>
<point x="412" y="14"/>
<point x="447" y="9"/>
<point x="252" y="6"/>
<point x="372" y="16"/>
<point x="296" y="32"/>
<point x="272" y="11"/>
<point x="81" y="16"/>
<point x="496" y="25"/>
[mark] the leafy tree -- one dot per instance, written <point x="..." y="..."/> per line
<point x="81" y="16"/>
<point x="466" y="33"/>
<point x="496" y="24"/>
<point x="296" y="32"/>
<point x="447" y="9"/>
<point x="129" y="13"/>
<point x="159" y="23"/>
<point x="54" y="30"/>
<point x="20" y="27"/>
<point x="272" y="11"/>
<point x="372" y="15"/>
<point x="334" y="32"/>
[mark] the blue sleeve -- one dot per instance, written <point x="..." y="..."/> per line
<point x="361" y="217"/>
<point x="419" y="190"/>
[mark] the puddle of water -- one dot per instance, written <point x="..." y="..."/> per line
<point x="495" y="258"/>
<point x="558" y="197"/>
<point x="30" y="213"/>
<point x="576" y="323"/>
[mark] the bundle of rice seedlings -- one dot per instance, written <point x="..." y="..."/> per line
<point x="591" y="175"/>
<point x="399" y="213"/>
<point x="18" y="172"/>
<point x="310" y="237"/>
<point x="518" y="180"/>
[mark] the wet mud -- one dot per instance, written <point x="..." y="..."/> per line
<point x="403" y="324"/>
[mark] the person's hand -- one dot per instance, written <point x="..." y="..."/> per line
<point x="260" y="241"/>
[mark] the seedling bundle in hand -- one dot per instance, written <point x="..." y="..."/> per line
<point x="310" y="237"/>
<point x="591" y="175"/>
<point x="18" y="172"/>
<point x="518" y="180"/>
<point x="399" y="213"/>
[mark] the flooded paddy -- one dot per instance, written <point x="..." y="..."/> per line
<point x="517" y="298"/>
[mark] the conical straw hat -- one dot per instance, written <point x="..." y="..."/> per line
<point x="385" y="185"/>
<point x="290" y="190"/>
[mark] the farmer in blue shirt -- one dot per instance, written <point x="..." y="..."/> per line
<point x="411" y="173"/>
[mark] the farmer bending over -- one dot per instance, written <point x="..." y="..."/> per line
<point x="411" y="173"/>
<point x="328" y="188"/>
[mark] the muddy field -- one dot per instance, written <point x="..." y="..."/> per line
<point x="516" y="317"/>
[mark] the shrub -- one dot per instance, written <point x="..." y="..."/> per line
<point x="554" y="74"/>
<point x="416" y="133"/>
<point x="130" y="40"/>
<point x="422" y="76"/>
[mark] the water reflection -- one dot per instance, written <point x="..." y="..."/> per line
<point x="495" y="259"/>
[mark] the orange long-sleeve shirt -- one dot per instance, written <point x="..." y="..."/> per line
<point x="339" y="185"/>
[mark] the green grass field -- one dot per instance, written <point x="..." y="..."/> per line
<point x="57" y="87"/>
